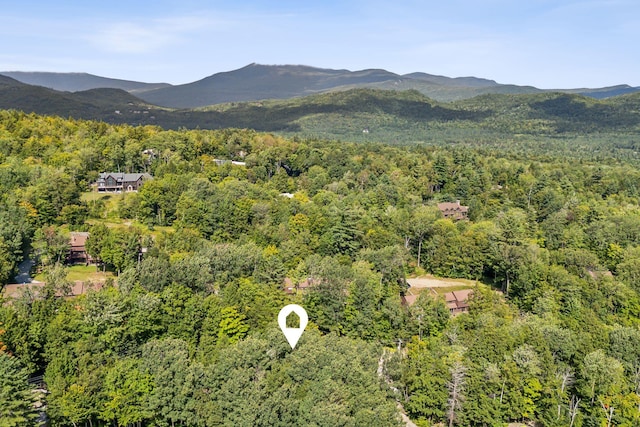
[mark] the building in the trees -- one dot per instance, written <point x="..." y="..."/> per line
<point x="77" y="248"/>
<point x="458" y="301"/>
<point x="409" y="299"/>
<point x="117" y="182"/>
<point x="221" y="162"/>
<point x="454" y="210"/>
<point x="290" y="287"/>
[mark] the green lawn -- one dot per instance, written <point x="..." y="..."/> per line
<point x="110" y="201"/>
<point x="111" y="217"/>
<point x="82" y="272"/>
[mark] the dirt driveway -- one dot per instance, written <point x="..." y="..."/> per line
<point x="437" y="282"/>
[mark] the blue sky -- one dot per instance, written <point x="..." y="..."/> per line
<point x="544" y="43"/>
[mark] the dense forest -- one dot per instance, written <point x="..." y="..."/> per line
<point x="185" y="333"/>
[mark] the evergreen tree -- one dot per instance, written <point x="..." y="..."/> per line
<point x="17" y="399"/>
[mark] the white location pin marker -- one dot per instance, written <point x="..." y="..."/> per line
<point x="292" y="334"/>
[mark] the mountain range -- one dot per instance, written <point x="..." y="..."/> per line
<point x="335" y="104"/>
<point x="259" y="82"/>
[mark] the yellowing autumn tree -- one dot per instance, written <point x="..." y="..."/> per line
<point x="3" y="347"/>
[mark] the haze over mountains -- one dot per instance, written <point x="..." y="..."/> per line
<point x="258" y="82"/>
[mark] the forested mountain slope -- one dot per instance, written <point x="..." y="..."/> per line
<point x="354" y="115"/>
<point x="256" y="82"/>
<point x="186" y="332"/>
<point x="259" y="82"/>
<point x="549" y="113"/>
<point x="111" y="105"/>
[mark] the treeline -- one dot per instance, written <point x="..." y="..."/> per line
<point x="188" y="337"/>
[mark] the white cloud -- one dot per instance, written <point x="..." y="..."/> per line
<point x="128" y="37"/>
<point x="147" y="37"/>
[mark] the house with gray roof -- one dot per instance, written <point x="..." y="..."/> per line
<point x="117" y="182"/>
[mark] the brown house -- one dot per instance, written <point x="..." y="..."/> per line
<point x="117" y="182"/>
<point x="291" y="288"/>
<point x="77" y="249"/>
<point x="454" y="210"/>
<point x="458" y="301"/>
<point x="408" y="300"/>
